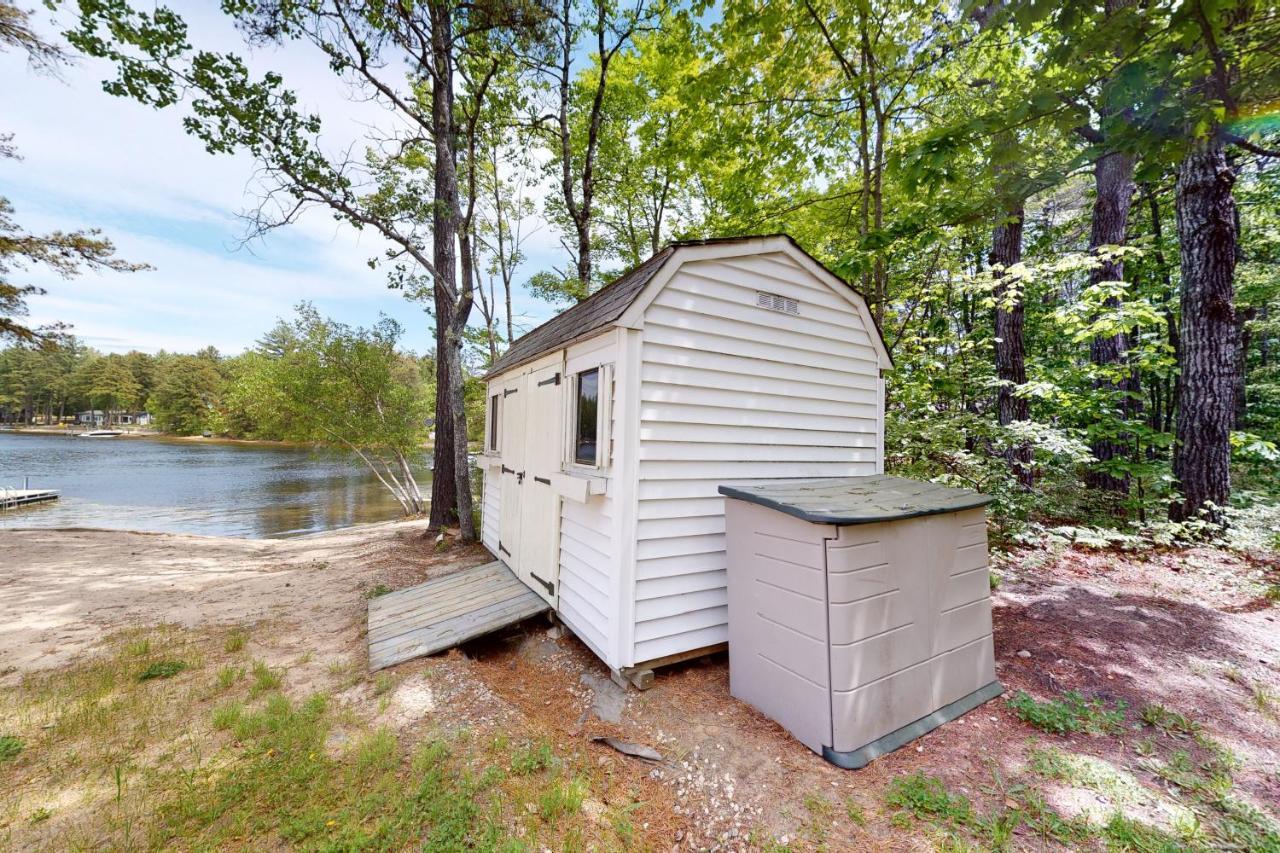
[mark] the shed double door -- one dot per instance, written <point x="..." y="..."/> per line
<point x="531" y="439"/>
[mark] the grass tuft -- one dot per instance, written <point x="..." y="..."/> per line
<point x="377" y="591"/>
<point x="10" y="746"/>
<point x="264" y="679"/>
<point x="226" y="716"/>
<point x="1071" y="713"/>
<point x="235" y="642"/>
<point x="532" y="758"/>
<point x="926" y="797"/>
<point x="1167" y="721"/>
<point x="561" y="800"/>
<point x="229" y="675"/>
<point x="162" y="669"/>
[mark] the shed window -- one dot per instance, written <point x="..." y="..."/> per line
<point x="494" y="402"/>
<point x="586" y="422"/>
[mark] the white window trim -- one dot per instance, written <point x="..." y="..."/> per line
<point x="604" y="406"/>
<point x="489" y="416"/>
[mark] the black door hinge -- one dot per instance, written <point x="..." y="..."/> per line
<point x="550" y="587"/>
<point x="554" y="380"/>
<point x="509" y="391"/>
<point x="544" y="480"/>
<point x="503" y="548"/>
<point x="507" y="470"/>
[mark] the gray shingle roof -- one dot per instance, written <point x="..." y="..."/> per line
<point x="597" y="311"/>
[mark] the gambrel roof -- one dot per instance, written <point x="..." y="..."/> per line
<point x="607" y="306"/>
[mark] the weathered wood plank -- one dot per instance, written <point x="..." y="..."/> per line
<point x="444" y="635"/>
<point x="426" y="593"/>
<point x="444" y="612"/>
<point x="440" y="611"/>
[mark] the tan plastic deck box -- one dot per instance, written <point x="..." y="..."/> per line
<point x="859" y="609"/>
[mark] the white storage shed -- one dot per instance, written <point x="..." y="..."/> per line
<point x="611" y="427"/>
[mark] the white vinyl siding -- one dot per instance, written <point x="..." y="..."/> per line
<point x="491" y="509"/>
<point x="587" y="586"/>
<point x="730" y="391"/>
<point x="588" y="583"/>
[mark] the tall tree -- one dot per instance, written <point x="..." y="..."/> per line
<point x="407" y="57"/>
<point x="1230" y="69"/>
<point x="602" y="29"/>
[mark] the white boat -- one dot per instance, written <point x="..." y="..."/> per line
<point x="100" y="433"/>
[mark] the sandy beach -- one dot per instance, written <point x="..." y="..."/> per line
<point x="61" y="590"/>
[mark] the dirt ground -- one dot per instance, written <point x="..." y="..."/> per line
<point x="1192" y="631"/>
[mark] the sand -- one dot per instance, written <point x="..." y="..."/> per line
<point x="61" y="590"/>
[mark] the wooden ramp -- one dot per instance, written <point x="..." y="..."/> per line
<point x="444" y="612"/>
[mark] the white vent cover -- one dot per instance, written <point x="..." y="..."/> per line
<point x="774" y="302"/>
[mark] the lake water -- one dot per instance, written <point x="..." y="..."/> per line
<point x="205" y="487"/>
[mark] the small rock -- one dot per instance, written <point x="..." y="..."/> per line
<point x="1023" y="653"/>
<point x="555" y="632"/>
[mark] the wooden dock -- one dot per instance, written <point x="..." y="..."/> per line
<point x="445" y="612"/>
<point x="14" y="498"/>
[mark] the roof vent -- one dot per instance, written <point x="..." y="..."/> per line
<point x="774" y="302"/>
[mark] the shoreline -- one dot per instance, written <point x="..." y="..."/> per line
<point x="73" y="432"/>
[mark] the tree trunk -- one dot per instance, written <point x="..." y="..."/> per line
<point x="444" y="478"/>
<point x="1113" y="182"/>
<point x="1162" y="419"/>
<point x="445" y="242"/>
<point x="444" y="489"/>
<point x="1243" y="336"/>
<point x="1207" y="358"/>
<point x="1011" y="359"/>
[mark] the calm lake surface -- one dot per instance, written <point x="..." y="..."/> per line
<point x="205" y="487"/>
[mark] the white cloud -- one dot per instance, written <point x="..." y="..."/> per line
<point x="93" y="160"/>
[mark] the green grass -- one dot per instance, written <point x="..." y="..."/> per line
<point x="377" y="591"/>
<point x="532" y="758"/>
<point x="927" y="798"/>
<point x="162" y="669"/>
<point x="210" y="762"/>
<point x="228" y="676"/>
<point x="1167" y="721"/>
<point x="561" y="799"/>
<point x="1123" y="833"/>
<point x="10" y="746"/>
<point x="1264" y="698"/>
<point x="226" y="716"/>
<point x="235" y="642"/>
<point x="1070" y="713"/>
<point x="265" y="679"/>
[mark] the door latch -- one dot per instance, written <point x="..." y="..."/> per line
<point x="519" y="476"/>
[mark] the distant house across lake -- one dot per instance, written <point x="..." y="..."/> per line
<point x="97" y="417"/>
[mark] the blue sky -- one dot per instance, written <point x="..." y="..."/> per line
<point x="92" y="160"/>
